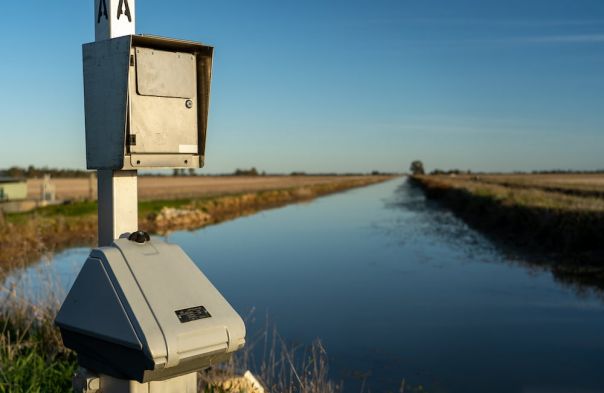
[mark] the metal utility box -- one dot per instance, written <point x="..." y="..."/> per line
<point x="146" y="101"/>
<point x="145" y="312"/>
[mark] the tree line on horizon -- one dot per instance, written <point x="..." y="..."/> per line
<point x="32" y="172"/>
<point x="417" y="168"/>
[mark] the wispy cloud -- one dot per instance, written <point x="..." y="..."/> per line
<point x="527" y="23"/>
<point x="563" y="39"/>
<point x="537" y="39"/>
<point x="566" y="39"/>
<point x="501" y="31"/>
<point x="459" y="124"/>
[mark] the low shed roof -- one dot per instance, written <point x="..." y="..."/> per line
<point x="12" y="180"/>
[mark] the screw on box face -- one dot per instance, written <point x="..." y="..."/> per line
<point x="189" y="104"/>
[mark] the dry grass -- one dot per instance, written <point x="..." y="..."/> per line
<point x="280" y="368"/>
<point x="574" y="184"/>
<point x="528" y="192"/>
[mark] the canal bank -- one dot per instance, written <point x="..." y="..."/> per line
<point x="562" y="230"/>
<point x="25" y="237"/>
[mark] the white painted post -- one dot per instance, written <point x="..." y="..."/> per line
<point x="114" y="18"/>
<point x="117" y="190"/>
<point x="118" y="213"/>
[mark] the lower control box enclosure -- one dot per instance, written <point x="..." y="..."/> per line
<point x="145" y="312"/>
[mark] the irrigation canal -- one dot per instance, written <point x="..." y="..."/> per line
<point x="396" y="288"/>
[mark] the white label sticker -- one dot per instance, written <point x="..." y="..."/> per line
<point x="192" y="149"/>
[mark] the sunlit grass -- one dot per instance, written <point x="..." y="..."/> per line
<point x="32" y="358"/>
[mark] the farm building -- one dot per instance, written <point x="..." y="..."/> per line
<point x="12" y="189"/>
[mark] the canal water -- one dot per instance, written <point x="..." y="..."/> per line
<point x="397" y="289"/>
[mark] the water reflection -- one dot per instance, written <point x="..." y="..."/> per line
<point x="397" y="289"/>
<point x="440" y="222"/>
<point x="48" y="281"/>
<point x="426" y="219"/>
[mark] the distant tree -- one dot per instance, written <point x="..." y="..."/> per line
<point x="246" y="172"/>
<point x="375" y="173"/>
<point x="417" y="168"/>
<point x="15" y="172"/>
<point x="191" y="171"/>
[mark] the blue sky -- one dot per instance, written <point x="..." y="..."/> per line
<point x="336" y="85"/>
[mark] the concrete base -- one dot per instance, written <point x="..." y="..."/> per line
<point x="184" y="384"/>
<point x="85" y="382"/>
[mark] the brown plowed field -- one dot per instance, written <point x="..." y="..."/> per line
<point x="168" y="187"/>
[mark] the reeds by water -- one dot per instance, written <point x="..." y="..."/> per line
<point x="33" y="358"/>
<point x="280" y="367"/>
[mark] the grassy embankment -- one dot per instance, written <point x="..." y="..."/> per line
<point x="560" y="217"/>
<point x="24" y="237"/>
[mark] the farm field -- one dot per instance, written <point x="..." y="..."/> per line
<point x="591" y="184"/>
<point x="169" y="187"/>
<point x="565" y="192"/>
